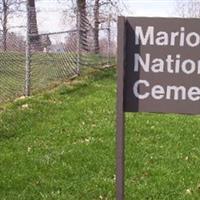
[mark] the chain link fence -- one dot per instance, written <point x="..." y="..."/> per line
<point x="57" y="60"/>
<point x="53" y="58"/>
<point x="36" y="60"/>
<point x="96" y="45"/>
<point x="12" y="67"/>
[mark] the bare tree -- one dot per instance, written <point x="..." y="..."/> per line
<point x="94" y="16"/>
<point x="33" y="26"/>
<point x="82" y="20"/>
<point x="7" y="9"/>
<point x="188" y="8"/>
<point x="15" y="42"/>
<point x="77" y="11"/>
<point x="101" y="17"/>
<point x="96" y="26"/>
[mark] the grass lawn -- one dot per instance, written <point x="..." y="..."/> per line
<point x="60" y="145"/>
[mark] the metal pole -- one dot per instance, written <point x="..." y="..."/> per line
<point x="4" y="25"/>
<point x="78" y="41"/>
<point x="53" y="33"/>
<point x="109" y="38"/>
<point x="120" y="111"/>
<point x="27" y="84"/>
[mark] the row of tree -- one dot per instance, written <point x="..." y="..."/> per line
<point x="94" y="16"/>
<point x="89" y="13"/>
<point x="91" y="16"/>
<point x="188" y="8"/>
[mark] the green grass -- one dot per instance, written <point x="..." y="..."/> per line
<point x="61" y="145"/>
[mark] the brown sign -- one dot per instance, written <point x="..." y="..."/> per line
<point x="158" y="71"/>
<point x="162" y="65"/>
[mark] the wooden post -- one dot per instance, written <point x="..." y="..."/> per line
<point x="120" y="111"/>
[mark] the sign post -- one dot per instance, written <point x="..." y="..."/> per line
<point x="158" y="71"/>
<point x="120" y="110"/>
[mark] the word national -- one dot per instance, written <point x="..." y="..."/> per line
<point x="149" y="36"/>
<point x="170" y="64"/>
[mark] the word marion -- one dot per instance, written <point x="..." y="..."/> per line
<point x="162" y="38"/>
<point x="171" y="64"/>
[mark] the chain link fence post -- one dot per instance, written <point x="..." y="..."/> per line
<point x="78" y="27"/>
<point x="27" y="84"/>
<point x="109" y="35"/>
<point x="109" y="44"/>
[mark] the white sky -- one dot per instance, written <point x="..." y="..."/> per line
<point x="54" y="11"/>
<point x="51" y="12"/>
<point x="159" y="8"/>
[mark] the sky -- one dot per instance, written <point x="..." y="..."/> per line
<point x="51" y="12"/>
<point x="159" y="8"/>
<point x="151" y="8"/>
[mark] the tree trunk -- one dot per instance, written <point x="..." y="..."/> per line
<point x="33" y="27"/>
<point x="4" y="25"/>
<point x="82" y="20"/>
<point x="96" y="27"/>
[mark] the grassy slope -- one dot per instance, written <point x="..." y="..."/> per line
<point x="60" y="145"/>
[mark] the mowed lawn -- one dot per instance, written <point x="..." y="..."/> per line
<point x="60" y="145"/>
